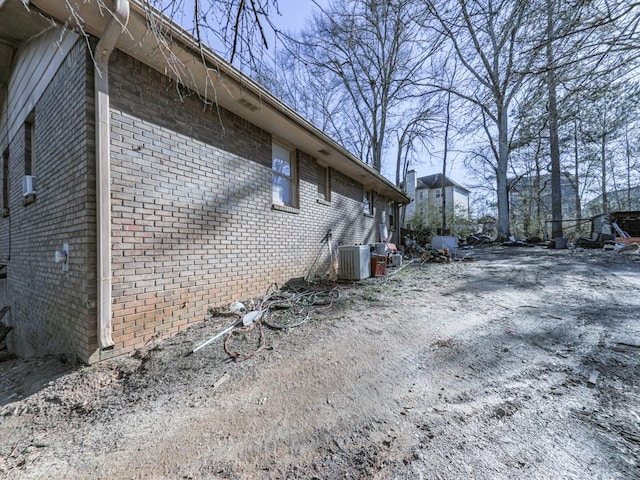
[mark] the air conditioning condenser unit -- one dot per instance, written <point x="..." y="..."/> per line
<point x="354" y="262"/>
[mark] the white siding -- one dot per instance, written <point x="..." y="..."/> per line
<point x="33" y="68"/>
<point x="461" y="201"/>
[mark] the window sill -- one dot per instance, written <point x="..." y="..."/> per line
<point x="284" y="208"/>
<point x="367" y="214"/>
<point x="323" y="202"/>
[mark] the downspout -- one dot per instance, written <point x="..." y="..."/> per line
<point x="115" y="26"/>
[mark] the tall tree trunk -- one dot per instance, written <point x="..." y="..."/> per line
<point x="603" y="166"/>
<point x="399" y="179"/>
<point x="444" y="162"/>
<point x="501" y="175"/>
<point x="556" y="184"/>
<point x="538" y="199"/>
<point x="628" y="158"/>
<point x="576" y="184"/>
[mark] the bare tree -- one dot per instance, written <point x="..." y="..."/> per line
<point x="485" y="36"/>
<point x="415" y="135"/>
<point x="370" y="47"/>
<point x="242" y="26"/>
<point x="607" y="117"/>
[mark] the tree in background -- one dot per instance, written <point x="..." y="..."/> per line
<point x="369" y="48"/>
<point x="241" y="27"/>
<point x="552" y="112"/>
<point x="429" y="214"/>
<point x="609" y="113"/>
<point x="485" y="36"/>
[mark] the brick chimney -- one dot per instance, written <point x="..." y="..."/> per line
<point x="410" y="184"/>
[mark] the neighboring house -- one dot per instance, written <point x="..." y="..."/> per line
<point x="172" y="181"/>
<point x="426" y="196"/>
<point x="618" y="200"/>
<point x="527" y="193"/>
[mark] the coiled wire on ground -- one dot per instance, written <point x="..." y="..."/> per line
<point x="245" y="332"/>
<point x="289" y="308"/>
<point x="282" y="309"/>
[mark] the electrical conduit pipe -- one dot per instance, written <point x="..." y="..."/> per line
<point x="116" y="25"/>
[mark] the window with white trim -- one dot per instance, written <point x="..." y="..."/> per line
<point x="284" y="176"/>
<point x="392" y="215"/>
<point x="29" y="160"/>
<point x="367" y="202"/>
<point x="324" y="183"/>
<point x="29" y="146"/>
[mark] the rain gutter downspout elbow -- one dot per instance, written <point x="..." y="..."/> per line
<point x="115" y="26"/>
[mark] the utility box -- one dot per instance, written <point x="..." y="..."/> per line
<point x="378" y="265"/>
<point x="440" y="242"/>
<point x="354" y="262"/>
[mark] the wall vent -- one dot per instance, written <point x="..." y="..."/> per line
<point x="248" y="105"/>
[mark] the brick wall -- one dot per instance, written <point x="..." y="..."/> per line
<point x="52" y="311"/>
<point x="192" y="218"/>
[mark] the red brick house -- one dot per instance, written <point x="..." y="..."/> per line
<point x="143" y="180"/>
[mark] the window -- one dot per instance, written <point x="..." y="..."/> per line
<point x="29" y="150"/>
<point x="392" y="215"/>
<point x="28" y="182"/>
<point x="324" y="183"/>
<point x="283" y="176"/>
<point x="438" y="193"/>
<point x="367" y="202"/>
<point x="5" y="184"/>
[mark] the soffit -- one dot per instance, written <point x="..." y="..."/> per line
<point x="17" y="26"/>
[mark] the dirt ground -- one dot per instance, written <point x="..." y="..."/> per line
<point x="524" y="363"/>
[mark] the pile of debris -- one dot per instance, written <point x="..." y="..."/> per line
<point x="436" y="256"/>
<point x="618" y="231"/>
<point x="477" y="239"/>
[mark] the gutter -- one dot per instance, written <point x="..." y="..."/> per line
<point x="116" y="25"/>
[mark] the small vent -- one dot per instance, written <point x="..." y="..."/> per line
<point x="323" y="152"/>
<point x="248" y="105"/>
<point x="28" y="185"/>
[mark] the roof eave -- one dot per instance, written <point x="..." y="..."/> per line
<point x="202" y="70"/>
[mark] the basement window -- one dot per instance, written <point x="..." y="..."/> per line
<point x="392" y="215"/>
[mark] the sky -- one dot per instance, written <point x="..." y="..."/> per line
<point x="295" y="12"/>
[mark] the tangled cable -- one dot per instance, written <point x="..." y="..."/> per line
<point x="289" y="308"/>
<point x="280" y="309"/>
<point x="244" y="331"/>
